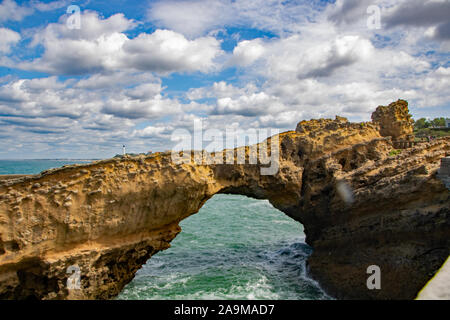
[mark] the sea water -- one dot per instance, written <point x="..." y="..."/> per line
<point x="234" y="248"/>
<point x="33" y="166"/>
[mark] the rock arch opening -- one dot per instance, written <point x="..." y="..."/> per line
<point x="235" y="247"/>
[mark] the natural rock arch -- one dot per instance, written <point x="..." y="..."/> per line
<point x="359" y="205"/>
<point x="229" y="234"/>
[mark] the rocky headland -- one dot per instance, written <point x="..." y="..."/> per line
<point x="361" y="201"/>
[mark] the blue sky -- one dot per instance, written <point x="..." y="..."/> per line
<point x="135" y="71"/>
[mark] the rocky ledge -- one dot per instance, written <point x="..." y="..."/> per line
<point x="361" y="202"/>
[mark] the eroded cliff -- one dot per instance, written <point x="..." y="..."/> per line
<point x="360" y="205"/>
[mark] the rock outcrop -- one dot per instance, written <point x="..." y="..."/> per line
<point x="360" y="206"/>
<point x="394" y="120"/>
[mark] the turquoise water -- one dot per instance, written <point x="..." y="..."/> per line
<point x="33" y="166"/>
<point x="233" y="248"/>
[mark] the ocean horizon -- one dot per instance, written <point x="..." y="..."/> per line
<point x="35" y="166"/>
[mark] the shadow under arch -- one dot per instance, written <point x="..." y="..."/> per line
<point x="235" y="247"/>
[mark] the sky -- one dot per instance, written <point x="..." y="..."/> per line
<point x="79" y="82"/>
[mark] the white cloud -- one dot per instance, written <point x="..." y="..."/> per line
<point x="221" y="89"/>
<point x="429" y="16"/>
<point x="249" y="105"/>
<point x="196" y="17"/>
<point x="92" y="27"/>
<point x="192" y="18"/>
<point x="323" y="62"/>
<point x="7" y="39"/>
<point x="167" y="51"/>
<point x="48" y="97"/>
<point x="247" y="52"/>
<point x="147" y="108"/>
<point x="323" y="72"/>
<point x="71" y="116"/>
<point x="349" y="11"/>
<point x="144" y="91"/>
<point x="49" y="6"/>
<point x="101" y="46"/>
<point x="109" y="80"/>
<point x="10" y="11"/>
<point x="152" y="131"/>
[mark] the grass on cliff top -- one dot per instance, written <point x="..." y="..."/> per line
<point x="395" y="152"/>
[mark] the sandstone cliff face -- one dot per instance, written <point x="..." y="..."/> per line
<point x="359" y="205"/>
<point x="398" y="219"/>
